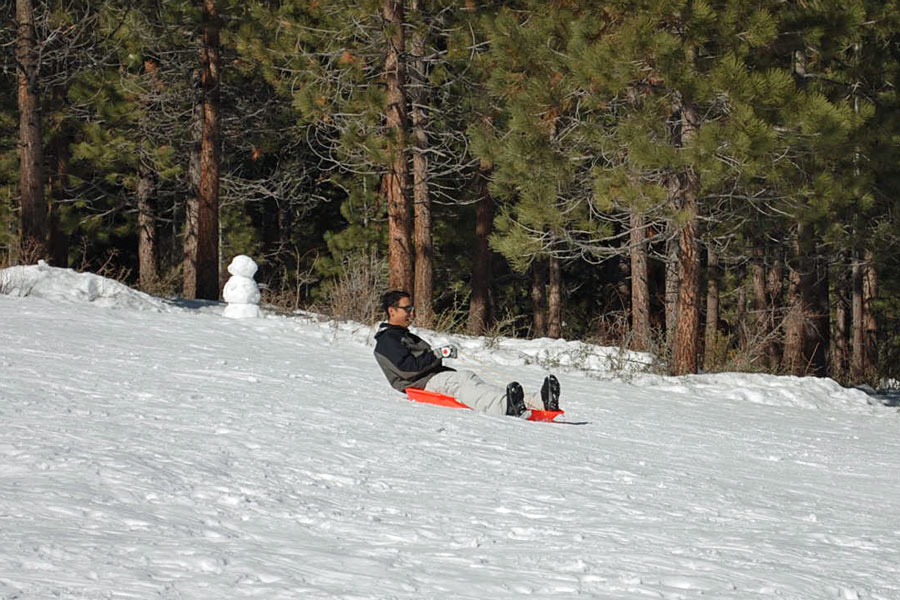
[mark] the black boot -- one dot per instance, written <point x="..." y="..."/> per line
<point x="550" y="393"/>
<point x="515" y="399"/>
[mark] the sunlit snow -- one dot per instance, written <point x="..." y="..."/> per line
<point x="150" y="450"/>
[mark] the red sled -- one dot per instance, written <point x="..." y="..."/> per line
<point x="426" y="397"/>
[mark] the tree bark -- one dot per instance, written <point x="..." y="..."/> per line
<point x="480" y="300"/>
<point x="539" y="298"/>
<point x="424" y="260"/>
<point x="33" y="231"/>
<point x="554" y="300"/>
<point x="640" y="284"/>
<point x="148" y="273"/>
<point x="395" y="185"/>
<point x="687" y="326"/>
<point x="210" y="150"/>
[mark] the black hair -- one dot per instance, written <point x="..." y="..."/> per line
<point x="392" y="297"/>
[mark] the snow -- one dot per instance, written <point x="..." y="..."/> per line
<point x="150" y="450"/>
<point x="66" y="285"/>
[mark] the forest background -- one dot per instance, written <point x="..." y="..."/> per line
<point x="715" y="182"/>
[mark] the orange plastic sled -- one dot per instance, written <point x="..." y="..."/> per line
<point x="426" y="397"/>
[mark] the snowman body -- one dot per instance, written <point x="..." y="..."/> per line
<point x="241" y="292"/>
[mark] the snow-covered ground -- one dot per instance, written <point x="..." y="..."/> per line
<point x="148" y="450"/>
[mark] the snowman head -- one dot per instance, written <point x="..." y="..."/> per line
<point x="242" y="266"/>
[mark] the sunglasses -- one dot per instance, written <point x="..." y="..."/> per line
<point x="408" y="308"/>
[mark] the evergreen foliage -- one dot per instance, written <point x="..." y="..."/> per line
<point x="765" y="133"/>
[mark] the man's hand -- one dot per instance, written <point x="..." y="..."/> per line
<point x="447" y="352"/>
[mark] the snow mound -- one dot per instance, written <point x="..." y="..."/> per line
<point x="494" y="358"/>
<point x="769" y="390"/>
<point x="560" y="355"/>
<point x="66" y="285"/>
<point x="575" y="355"/>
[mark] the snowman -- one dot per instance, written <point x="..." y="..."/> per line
<point x="241" y="292"/>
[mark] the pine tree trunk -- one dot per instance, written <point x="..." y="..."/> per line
<point x="424" y="260"/>
<point x="480" y="302"/>
<point x="192" y="207"/>
<point x="208" y="205"/>
<point x="640" y="284"/>
<point x="762" y="324"/>
<point x="870" y="324"/>
<point x="819" y="340"/>
<point x="758" y="289"/>
<point x="33" y="232"/>
<point x="672" y="284"/>
<point x="806" y="331"/>
<point x="858" y="363"/>
<point x="712" y="309"/>
<point x="539" y="298"/>
<point x="148" y="273"/>
<point x="395" y="185"/>
<point x="793" y="360"/>
<point x="59" y="240"/>
<point x="840" y="356"/>
<point x="775" y="290"/>
<point x="741" y="317"/>
<point x="687" y="325"/>
<point x="554" y="300"/>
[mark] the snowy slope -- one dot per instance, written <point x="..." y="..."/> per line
<point x="149" y="451"/>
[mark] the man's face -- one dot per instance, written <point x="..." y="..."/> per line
<point x="401" y="313"/>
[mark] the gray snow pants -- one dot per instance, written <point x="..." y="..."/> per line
<point x="471" y="390"/>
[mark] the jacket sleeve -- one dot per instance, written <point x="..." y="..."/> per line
<point x="406" y="364"/>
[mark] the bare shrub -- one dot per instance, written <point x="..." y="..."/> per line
<point x="31" y="250"/>
<point x="355" y="294"/>
<point x="108" y="268"/>
<point x="506" y="326"/>
<point x="453" y="319"/>
<point x="165" y="286"/>
<point x="611" y="329"/>
<point x="290" y="293"/>
<point x="747" y="350"/>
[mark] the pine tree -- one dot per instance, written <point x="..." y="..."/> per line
<point x="123" y="142"/>
<point x="721" y="73"/>
<point x="541" y="172"/>
<point x="34" y="232"/>
<point x="201" y="271"/>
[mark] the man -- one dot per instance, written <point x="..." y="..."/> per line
<point x="408" y="361"/>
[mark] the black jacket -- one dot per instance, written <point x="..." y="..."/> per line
<point x="406" y="359"/>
